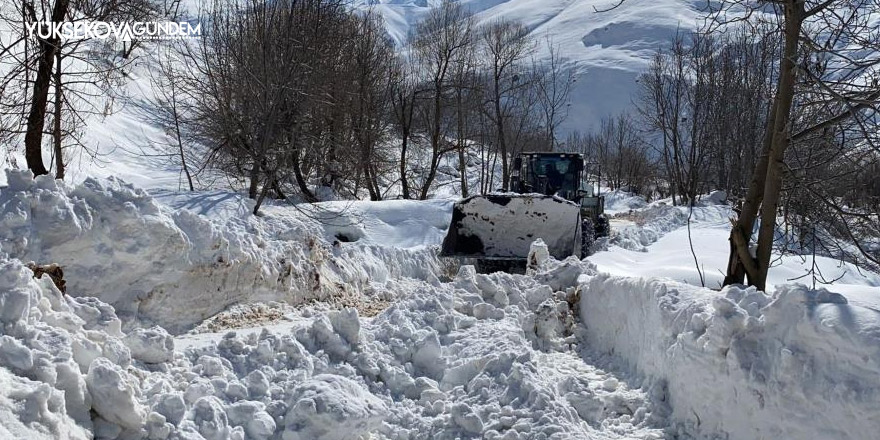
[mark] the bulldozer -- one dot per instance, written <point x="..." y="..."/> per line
<point x="552" y="197"/>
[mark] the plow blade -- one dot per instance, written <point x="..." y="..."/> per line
<point x="505" y="225"/>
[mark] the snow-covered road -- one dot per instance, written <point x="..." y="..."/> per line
<point x="371" y="343"/>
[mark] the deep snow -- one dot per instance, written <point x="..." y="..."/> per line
<point x="377" y="336"/>
<point x="563" y="351"/>
<point x="480" y="356"/>
<point x="177" y="267"/>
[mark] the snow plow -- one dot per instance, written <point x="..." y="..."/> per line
<point x="551" y="198"/>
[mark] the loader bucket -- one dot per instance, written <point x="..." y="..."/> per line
<point x="505" y="225"/>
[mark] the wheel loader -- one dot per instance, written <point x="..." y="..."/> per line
<point x="552" y="197"/>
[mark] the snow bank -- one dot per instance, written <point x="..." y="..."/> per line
<point x="483" y="356"/>
<point x="175" y="267"/>
<point x="741" y="364"/>
<point x="637" y="229"/>
<point x="618" y="201"/>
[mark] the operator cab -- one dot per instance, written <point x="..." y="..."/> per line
<point x="564" y="175"/>
<point x="548" y="173"/>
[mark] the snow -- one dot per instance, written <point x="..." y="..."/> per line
<point x="431" y="363"/>
<point x="189" y="318"/>
<point x="563" y="351"/>
<point x="739" y="362"/>
<point x="175" y="268"/>
<point x="608" y="50"/>
<point x="653" y="241"/>
<point x="393" y="223"/>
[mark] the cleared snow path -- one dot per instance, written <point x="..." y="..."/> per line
<point x="484" y="356"/>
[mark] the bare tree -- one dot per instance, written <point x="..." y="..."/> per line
<point x="437" y="43"/>
<point x="836" y="31"/>
<point x="554" y="84"/>
<point x="257" y="73"/>
<point x="505" y="45"/>
<point x="372" y="62"/>
<point x="621" y="153"/>
<point x="38" y="63"/>
<point x="673" y="105"/>
<point x="168" y="108"/>
<point x="404" y="83"/>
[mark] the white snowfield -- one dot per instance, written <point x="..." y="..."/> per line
<point x="562" y="352"/>
<point x="606" y="47"/>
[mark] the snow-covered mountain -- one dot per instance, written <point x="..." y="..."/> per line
<point x="608" y="48"/>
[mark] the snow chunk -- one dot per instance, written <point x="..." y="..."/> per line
<point x="19" y="180"/>
<point x="114" y="394"/>
<point x="152" y="345"/>
<point x="210" y="418"/>
<point x="14" y="354"/>
<point x="31" y="410"/>
<point x="329" y="407"/>
<point x="539" y="254"/>
<point x="171" y="406"/>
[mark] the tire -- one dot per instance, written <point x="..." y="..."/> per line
<point x="488" y="266"/>
<point x="588" y="237"/>
<point x="602" y="227"/>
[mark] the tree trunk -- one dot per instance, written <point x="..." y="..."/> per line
<point x="794" y="12"/>
<point x="404" y="182"/>
<point x="262" y="196"/>
<point x="435" y="142"/>
<point x="368" y="180"/>
<point x="254" y="180"/>
<point x="766" y="184"/>
<point x="36" y="120"/>
<point x="746" y="220"/>
<point x="462" y="157"/>
<point x="180" y="150"/>
<point x="499" y="123"/>
<point x="301" y="180"/>
<point x="56" y="129"/>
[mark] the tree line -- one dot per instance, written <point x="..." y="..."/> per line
<point x="295" y="98"/>
<point x="299" y="97"/>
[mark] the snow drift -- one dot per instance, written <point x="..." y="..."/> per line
<point x="739" y="363"/>
<point x="495" y="356"/>
<point x="174" y="267"/>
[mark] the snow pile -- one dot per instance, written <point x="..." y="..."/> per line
<point x="46" y="347"/>
<point x="175" y="267"/>
<point x="618" y="201"/>
<point x="483" y="356"/>
<point x="637" y="229"/>
<point x="741" y="364"/>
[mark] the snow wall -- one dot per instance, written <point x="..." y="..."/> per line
<point x="741" y="364"/>
<point x="175" y="268"/>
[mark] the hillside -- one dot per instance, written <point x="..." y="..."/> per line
<point x="608" y="49"/>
